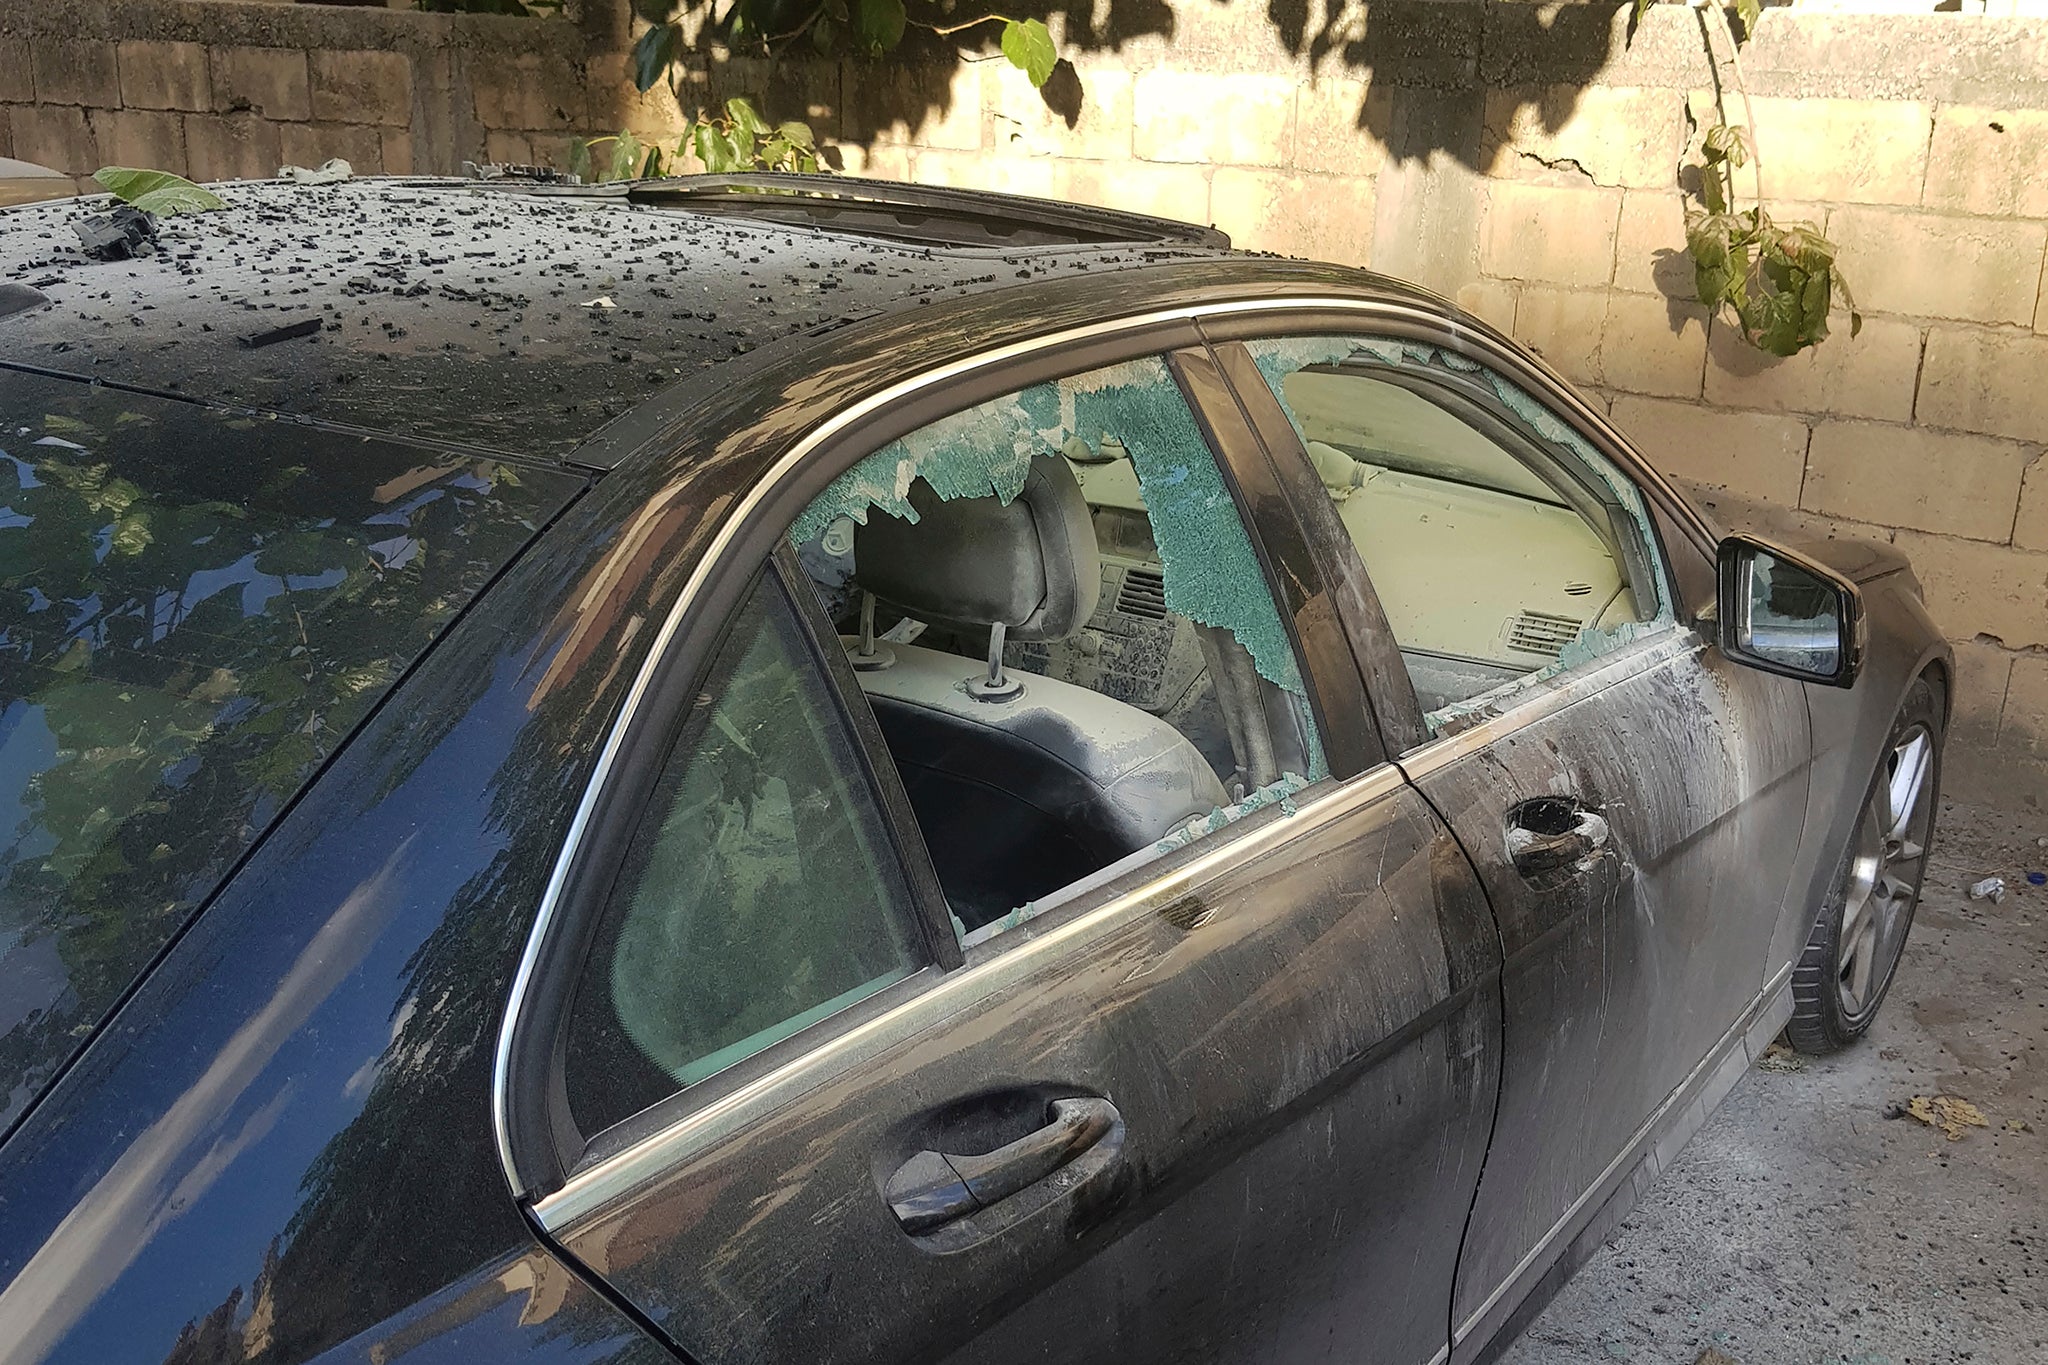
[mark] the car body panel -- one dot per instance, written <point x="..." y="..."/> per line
<point x="306" y="1076"/>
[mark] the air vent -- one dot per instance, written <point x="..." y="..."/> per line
<point x="1143" y="595"/>
<point x="1539" y="632"/>
<point x="1577" y="589"/>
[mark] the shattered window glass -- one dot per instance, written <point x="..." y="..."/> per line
<point x="1504" y="548"/>
<point x="1165" y="702"/>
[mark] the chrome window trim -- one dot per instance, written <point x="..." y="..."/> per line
<point x="1367" y="310"/>
<point x="591" y="1190"/>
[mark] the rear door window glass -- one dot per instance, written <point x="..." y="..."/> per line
<point x="760" y="894"/>
<point x="1502" y="546"/>
<point x="196" y="608"/>
<point x="1064" y="629"/>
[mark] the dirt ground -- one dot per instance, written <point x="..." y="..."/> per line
<point x="1805" y="1225"/>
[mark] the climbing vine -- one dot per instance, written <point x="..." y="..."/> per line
<point x="1778" y="280"/>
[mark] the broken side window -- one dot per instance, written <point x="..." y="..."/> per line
<point x="1059" y="618"/>
<point x="1503" y="547"/>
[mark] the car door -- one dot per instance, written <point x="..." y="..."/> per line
<point x="1632" y="800"/>
<point x="1225" y="1100"/>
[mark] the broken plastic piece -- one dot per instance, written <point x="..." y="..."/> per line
<point x="332" y="171"/>
<point x="1990" y="889"/>
<point x="1279" y="794"/>
<point x="19" y="298"/>
<point x="122" y="235"/>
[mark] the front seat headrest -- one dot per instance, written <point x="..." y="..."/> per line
<point x="1031" y="565"/>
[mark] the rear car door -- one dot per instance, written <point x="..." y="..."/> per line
<point x="1632" y="800"/>
<point x="789" y="1085"/>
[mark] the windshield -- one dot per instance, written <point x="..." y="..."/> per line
<point x="196" y="608"/>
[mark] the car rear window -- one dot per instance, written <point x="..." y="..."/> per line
<point x="196" y="608"/>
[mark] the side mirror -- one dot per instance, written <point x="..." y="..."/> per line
<point x="1783" y="613"/>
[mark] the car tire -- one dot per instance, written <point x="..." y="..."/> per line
<point x="1860" y="933"/>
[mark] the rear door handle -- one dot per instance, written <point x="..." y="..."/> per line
<point x="1551" y="832"/>
<point x="937" y="1187"/>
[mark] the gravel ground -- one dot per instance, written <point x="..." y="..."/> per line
<point x="1806" y="1225"/>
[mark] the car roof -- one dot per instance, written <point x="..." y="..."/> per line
<point x="481" y="315"/>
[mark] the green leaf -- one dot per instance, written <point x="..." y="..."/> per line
<point x="158" y="192"/>
<point x="741" y="111"/>
<point x="1749" y="11"/>
<point x="1028" y="45"/>
<point x="823" y="34"/>
<point x="579" y="158"/>
<point x="742" y="139"/>
<point x="1725" y="142"/>
<point x="796" y="134"/>
<point x="879" y="24"/>
<point x="626" y="156"/>
<point x="653" y="170"/>
<point x="655" y="53"/>
<point x="703" y="138"/>
<point x="1636" y="16"/>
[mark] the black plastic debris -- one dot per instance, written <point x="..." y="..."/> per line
<point x="19" y="298"/>
<point x="122" y="235"/>
<point x="304" y="328"/>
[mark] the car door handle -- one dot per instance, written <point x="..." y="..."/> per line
<point x="937" y="1187"/>
<point x="1551" y="832"/>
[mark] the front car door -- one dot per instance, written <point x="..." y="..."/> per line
<point x="790" y="1080"/>
<point x="1632" y="800"/>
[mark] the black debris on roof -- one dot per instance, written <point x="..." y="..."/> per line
<point x="450" y="313"/>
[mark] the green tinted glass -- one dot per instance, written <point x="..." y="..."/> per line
<point x="759" y="896"/>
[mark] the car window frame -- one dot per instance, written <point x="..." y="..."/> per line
<point x="1394" y="691"/>
<point x="539" y="1146"/>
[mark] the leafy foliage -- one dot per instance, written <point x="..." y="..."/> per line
<point x="157" y="192"/>
<point x="740" y="140"/>
<point x="1779" y="280"/>
<point x="873" y="27"/>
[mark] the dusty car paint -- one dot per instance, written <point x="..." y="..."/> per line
<point x="307" y="1073"/>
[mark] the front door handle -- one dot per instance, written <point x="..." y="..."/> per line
<point x="937" y="1187"/>
<point x="1551" y="832"/>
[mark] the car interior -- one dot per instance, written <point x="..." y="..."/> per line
<point x="1054" y="715"/>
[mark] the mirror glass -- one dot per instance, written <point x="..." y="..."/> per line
<point x="1792" y="617"/>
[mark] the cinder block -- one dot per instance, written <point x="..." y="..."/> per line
<point x="1909" y="476"/>
<point x="74" y="72"/>
<point x="879" y="163"/>
<point x="926" y="106"/>
<point x="1649" y="246"/>
<point x="271" y="81"/>
<point x="807" y="89"/>
<point x="397" y="149"/>
<point x="1753" y="454"/>
<point x="980" y="171"/>
<point x="231" y="147"/>
<point x="1868" y="375"/>
<point x="17" y="75"/>
<point x="361" y="87"/>
<point x="1550" y="234"/>
<point x="1975" y="379"/>
<point x="1492" y="300"/>
<point x="56" y="136"/>
<point x="1989" y="161"/>
<point x="1329" y="132"/>
<point x="1608" y="135"/>
<point x="1653" y="345"/>
<point x="1983" y="672"/>
<point x="1179" y="192"/>
<point x="1213" y="119"/>
<point x="1970" y="269"/>
<point x="2023" y="720"/>
<point x="614" y="103"/>
<point x="164" y="75"/>
<point x="2030" y="523"/>
<point x="1022" y="122"/>
<point x="1322" y="217"/>
<point x="1565" y="327"/>
<point x="149" y="138"/>
<point x="313" y="144"/>
<point x="1978" y="589"/>
<point x="1845" y="151"/>
<point x="528" y="91"/>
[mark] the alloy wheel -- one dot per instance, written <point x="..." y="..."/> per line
<point x="1885" y="869"/>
